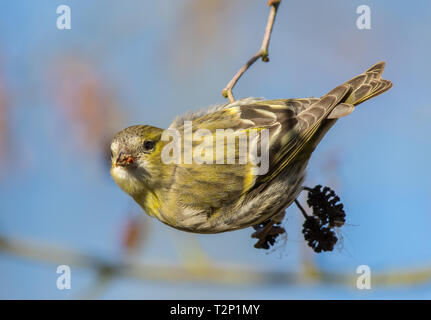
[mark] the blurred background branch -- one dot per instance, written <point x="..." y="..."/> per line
<point x="222" y="274"/>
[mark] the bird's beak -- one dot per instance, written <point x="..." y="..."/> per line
<point x="124" y="159"/>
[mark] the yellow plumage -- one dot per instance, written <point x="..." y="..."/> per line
<point x="213" y="197"/>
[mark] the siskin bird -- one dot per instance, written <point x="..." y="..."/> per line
<point x="210" y="197"/>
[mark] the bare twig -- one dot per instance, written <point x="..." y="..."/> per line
<point x="262" y="53"/>
<point x="301" y="209"/>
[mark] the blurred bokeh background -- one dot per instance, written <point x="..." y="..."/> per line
<point x="64" y="93"/>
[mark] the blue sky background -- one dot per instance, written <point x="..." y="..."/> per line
<point x="157" y="59"/>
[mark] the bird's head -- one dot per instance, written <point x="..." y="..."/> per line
<point x="135" y="158"/>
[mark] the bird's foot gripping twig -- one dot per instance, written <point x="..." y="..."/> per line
<point x="266" y="233"/>
<point x="328" y="213"/>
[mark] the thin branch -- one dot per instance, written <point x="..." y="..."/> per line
<point x="262" y="53"/>
<point x="304" y="213"/>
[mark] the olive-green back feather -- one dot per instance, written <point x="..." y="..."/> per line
<point x="295" y="127"/>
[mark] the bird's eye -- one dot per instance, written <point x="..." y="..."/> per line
<point x="148" y="145"/>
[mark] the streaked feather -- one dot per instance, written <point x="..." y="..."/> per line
<point x="211" y="198"/>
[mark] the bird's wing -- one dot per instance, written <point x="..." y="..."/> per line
<point x="300" y="126"/>
<point x="314" y="117"/>
<point x="294" y="127"/>
<point x="289" y="123"/>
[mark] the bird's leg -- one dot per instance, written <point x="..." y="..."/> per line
<point x="268" y="231"/>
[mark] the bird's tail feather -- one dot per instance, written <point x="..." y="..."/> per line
<point x="361" y="88"/>
<point x="368" y="85"/>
